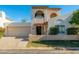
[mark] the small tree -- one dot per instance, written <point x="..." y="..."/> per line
<point x="75" y="18"/>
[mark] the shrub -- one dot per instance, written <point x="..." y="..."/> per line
<point x="53" y="31"/>
<point x="72" y="31"/>
<point x="1" y="32"/>
<point x="1" y="29"/>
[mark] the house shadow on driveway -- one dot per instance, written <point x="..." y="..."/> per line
<point x="23" y="38"/>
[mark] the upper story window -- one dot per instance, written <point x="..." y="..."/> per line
<point x="53" y="15"/>
<point x="39" y="14"/>
<point x="60" y="22"/>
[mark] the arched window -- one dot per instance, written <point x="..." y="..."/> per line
<point x="53" y="15"/>
<point x="59" y="22"/>
<point x="39" y="14"/>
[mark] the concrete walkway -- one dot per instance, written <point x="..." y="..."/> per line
<point x="12" y="43"/>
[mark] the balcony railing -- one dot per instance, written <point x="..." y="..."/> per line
<point x="39" y="21"/>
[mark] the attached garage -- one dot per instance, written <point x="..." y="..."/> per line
<point x="18" y="29"/>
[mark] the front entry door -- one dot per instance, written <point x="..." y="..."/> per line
<point x="61" y="29"/>
<point x="38" y="30"/>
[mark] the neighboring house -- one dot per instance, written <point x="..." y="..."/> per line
<point x="4" y="19"/>
<point x="42" y="19"/>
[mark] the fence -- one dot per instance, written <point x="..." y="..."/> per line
<point x="53" y="37"/>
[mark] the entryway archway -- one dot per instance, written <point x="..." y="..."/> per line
<point x="61" y="26"/>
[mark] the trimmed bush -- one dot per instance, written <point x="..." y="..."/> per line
<point x="72" y="31"/>
<point x="53" y="31"/>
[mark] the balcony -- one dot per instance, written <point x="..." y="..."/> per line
<point x="38" y="21"/>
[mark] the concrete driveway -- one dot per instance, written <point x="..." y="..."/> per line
<point x="12" y="43"/>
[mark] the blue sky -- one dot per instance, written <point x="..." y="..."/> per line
<point x="19" y="12"/>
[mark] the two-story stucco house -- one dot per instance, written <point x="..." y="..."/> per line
<point x="42" y="19"/>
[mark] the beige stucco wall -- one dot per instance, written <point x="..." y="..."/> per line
<point x="17" y="31"/>
<point x="47" y="12"/>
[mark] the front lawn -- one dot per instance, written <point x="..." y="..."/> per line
<point x="53" y="43"/>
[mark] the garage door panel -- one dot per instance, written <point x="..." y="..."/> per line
<point x="19" y="31"/>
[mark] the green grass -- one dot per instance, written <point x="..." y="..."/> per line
<point x="53" y="43"/>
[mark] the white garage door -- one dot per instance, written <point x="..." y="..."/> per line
<point x="18" y="31"/>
